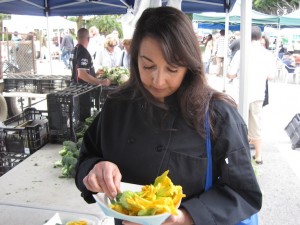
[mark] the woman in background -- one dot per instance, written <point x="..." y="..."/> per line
<point x="109" y="55"/>
<point x="207" y="57"/>
<point x="125" y="55"/>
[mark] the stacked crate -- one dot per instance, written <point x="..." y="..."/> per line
<point x="22" y="135"/>
<point x="35" y="83"/>
<point x="68" y="109"/>
<point x="293" y="131"/>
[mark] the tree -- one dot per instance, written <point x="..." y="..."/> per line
<point x="3" y="17"/>
<point x="106" y="24"/>
<point x="276" y="7"/>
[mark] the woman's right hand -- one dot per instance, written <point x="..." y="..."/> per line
<point x="104" y="177"/>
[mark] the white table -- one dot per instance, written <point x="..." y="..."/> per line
<point x="32" y="192"/>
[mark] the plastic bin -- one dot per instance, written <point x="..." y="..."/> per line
<point x="293" y="131"/>
<point x="68" y="109"/>
<point x="24" y="133"/>
<point x="8" y="160"/>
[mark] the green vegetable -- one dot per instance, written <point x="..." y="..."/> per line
<point x="69" y="163"/>
<point x="147" y="212"/>
<point x="124" y="196"/>
<point x="58" y="164"/>
<point x="79" y="143"/>
<point x="117" y="75"/>
<point x="68" y="146"/>
<point x="69" y="153"/>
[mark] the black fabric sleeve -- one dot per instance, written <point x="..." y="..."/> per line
<point x="90" y="154"/>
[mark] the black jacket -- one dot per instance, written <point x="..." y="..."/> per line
<point x="122" y="134"/>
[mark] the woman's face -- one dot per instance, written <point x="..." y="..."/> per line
<point x="158" y="77"/>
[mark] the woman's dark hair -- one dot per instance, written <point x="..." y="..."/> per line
<point x="267" y="42"/>
<point x="208" y="38"/>
<point x="174" y="32"/>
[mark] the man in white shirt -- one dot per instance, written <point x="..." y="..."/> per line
<point x="220" y="52"/>
<point x="262" y="67"/>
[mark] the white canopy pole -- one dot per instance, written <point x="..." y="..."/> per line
<point x="246" y="7"/>
<point x="48" y="37"/>
<point x="225" y="62"/>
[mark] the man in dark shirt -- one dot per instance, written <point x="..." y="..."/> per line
<point x="235" y="45"/>
<point x="82" y="64"/>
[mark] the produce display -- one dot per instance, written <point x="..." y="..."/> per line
<point x="70" y="151"/>
<point x="117" y="75"/>
<point x="69" y="154"/>
<point x="161" y="197"/>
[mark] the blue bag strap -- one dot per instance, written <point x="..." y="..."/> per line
<point x="208" y="182"/>
<point x="252" y="220"/>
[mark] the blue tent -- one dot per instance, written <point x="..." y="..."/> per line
<point x="99" y="7"/>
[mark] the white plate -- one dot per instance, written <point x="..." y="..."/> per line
<point x="103" y="201"/>
<point x="63" y="218"/>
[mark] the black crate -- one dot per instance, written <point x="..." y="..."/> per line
<point x="35" y="83"/>
<point x="24" y="133"/>
<point x="295" y="139"/>
<point x="68" y="109"/>
<point x="20" y="83"/>
<point x="8" y="160"/>
<point x="293" y="131"/>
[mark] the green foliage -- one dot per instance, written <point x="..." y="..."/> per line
<point x="275" y="7"/>
<point x="106" y="24"/>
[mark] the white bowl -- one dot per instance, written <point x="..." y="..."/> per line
<point x="104" y="202"/>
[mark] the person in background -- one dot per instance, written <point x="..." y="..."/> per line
<point x="37" y="47"/>
<point x="265" y="43"/>
<point x="96" y="41"/>
<point x="15" y="46"/>
<point x="67" y="46"/>
<point x="115" y="33"/>
<point x="235" y="44"/>
<point x="220" y="52"/>
<point x="281" y="51"/>
<point x="207" y="57"/>
<point x="56" y="40"/>
<point x="125" y="55"/>
<point x="262" y="67"/>
<point x="159" y="117"/>
<point x="44" y="49"/>
<point x="82" y="64"/>
<point x="29" y="36"/>
<point x="109" y="55"/>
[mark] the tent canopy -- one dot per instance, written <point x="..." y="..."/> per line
<point x="290" y="20"/>
<point x="23" y="24"/>
<point x="99" y="7"/>
<point x="217" y="20"/>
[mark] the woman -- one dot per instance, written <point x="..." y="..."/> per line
<point x="109" y="55"/>
<point x="125" y="55"/>
<point x="208" y="52"/>
<point x="155" y="122"/>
